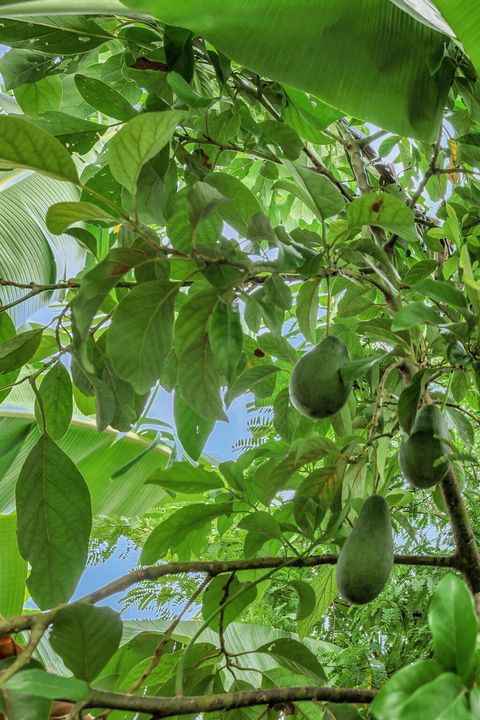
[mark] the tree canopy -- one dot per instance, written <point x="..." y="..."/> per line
<point x="265" y="202"/>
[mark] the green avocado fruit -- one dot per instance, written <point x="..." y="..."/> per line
<point x="366" y="558"/>
<point x="419" y="452"/>
<point x="317" y="389"/>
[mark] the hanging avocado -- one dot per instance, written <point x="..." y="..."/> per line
<point x="419" y="452"/>
<point x="366" y="558"/>
<point x="317" y="389"/>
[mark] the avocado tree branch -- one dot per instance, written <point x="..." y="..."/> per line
<point x="213" y="568"/>
<point x="166" y="707"/>
<point x="468" y="557"/>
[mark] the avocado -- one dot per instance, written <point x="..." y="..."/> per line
<point x="421" y="449"/>
<point x="366" y="558"/>
<point x="317" y="389"/>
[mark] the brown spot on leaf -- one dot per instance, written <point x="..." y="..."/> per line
<point x="259" y="353"/>
<point x="377" y="206"/>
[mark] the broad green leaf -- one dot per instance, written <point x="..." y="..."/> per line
<point x="104" y="98"/>
<point x="86" y="637"/>
<point x="355" y="369"/>
<point x="278" y="347"/>
<point x="53" y="35"/>
<point x="242" y="205"/>
<point x="463" y="17"/>
<point x="442" y="699"/>
<point x="192" y="430"/>
<point x="94" y="288"/>
<point x="357" y="76"/>
<point x="324" y="587"/>
<point x="442" y="292"/>
<point x="138" y="141"/>
<point x="178" y="527"/>
<point x="262" y="523"/>
<point x="420" y="271"/>
<point x="54" y="519"/>
<point x="202" y="200"/>
<point x="199" y="380"/>
<point x="179" y="51"/>
<point x="316" y="191"/>
<point x="43" y="684"/>
<point x="19" y="350"/>
<point x="226" y="337"/>
<point x="308" y="116"/>
<point x="296" y="657"/>
<point x="22" y="145"/>
<point x="396" y="693"/>
<point x="260" y="380"/>
<point x="218" y="591"/>
<point x="13" y="569"/>
<point x="57" y="404"/>
<point x="62" y="215"/>
<point x="185" y="93"/>
<point x="285" y="417"/>
<point x="409" y="400"/>
<point x="307" y="309"/>
<point x="415" y="314"/>
<point x="145" y="316"/>
<point x="278" y="292"/>
<point x="40" y="97"/>
<point x="25" y="707"/>
<point x="454" y="626"/>
<point x="383" y="210"/>
<point x="194" y="318"/>
<point x="306" y="598"/>
<point x="182" y="477"/>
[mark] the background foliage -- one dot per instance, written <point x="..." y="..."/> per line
<point x="191" y="197"/>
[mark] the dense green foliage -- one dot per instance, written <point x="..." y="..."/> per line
<point x="254" y="202"/>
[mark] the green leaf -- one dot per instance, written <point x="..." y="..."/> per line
<point x="307" y="309"/>
<point x="26" y="707"/>
<point x="193" y="319"/>
<point x="356" y="75"/>
<point x="145" y="317"/>
<point x="183" y="477"/>
<point x="306" y="598"/>
<point x="441" y="292"/>
<point x="415" y="314"/>
<point x="383" y="210"/>
<point x="453" y="623"/>
<point x="226" y="337"/>
<point x="94" y="288"/>
<point x="86" y="637"/>
<point x="396" y="693"/>
<point x="199" y="381"/>
<point x="178" y="527"/>
<point x="62" y="215"/>
<point x="463" y="17"/>
<point x="104" y="98"/>
<point x="185" y="93"/>
<point x="278" y="347"/>
<point x="179" y="51"/>
<point x="57" y="403"/>
<point x="262" y="523"/>
<point x="193" y="431"/>
<point x="285" y="417"/>
<point x="420" y="271"/>
<point x="138" y="141"/>
<point x="409" y="400"/>
<point x="22" y="145"/>
<point x="220" y="589"/>
<point x="55" y="36"/>
<point x="278" y="292"/>
<point x="13" y="569"/>
<point x="54" y="519"/>
<point x="19" y="350"/>
<point x="355" y="369"/>
<point x="43" y="684"/>
<point x="259" y="379"/>
<point x="324" y="587"/>
<point x="442" y="699"/>
<point x="242" y="205"/>
<point x="316" y="191"/>
<point x="42" y="96"/>
<point x="203" y="200"/>
<point x="296" y="657"/>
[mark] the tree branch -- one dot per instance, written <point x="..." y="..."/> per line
<point x="213" y="568"/>
<point x="468" y="557"/>
<point x="166" y="707"/>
